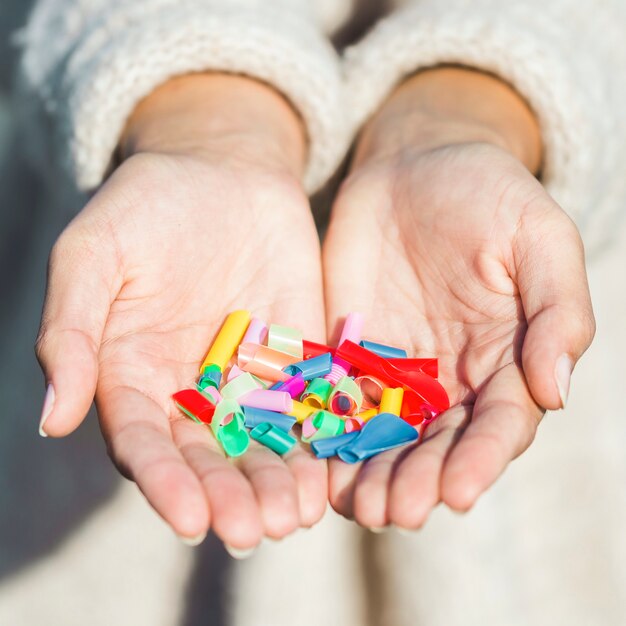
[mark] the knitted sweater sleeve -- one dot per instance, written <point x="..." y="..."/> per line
<point x="565" y="57"/>
<point x="92" y="61"/>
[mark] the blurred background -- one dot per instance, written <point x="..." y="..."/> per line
<point x="71" y="530"/>
<point x="79" y="545"/>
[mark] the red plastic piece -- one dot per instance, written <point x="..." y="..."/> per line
<point x="193" y="402"/>
<point x="311" y="349"/>
<point x="428" y="366"/>
<point x="423" y="395"/>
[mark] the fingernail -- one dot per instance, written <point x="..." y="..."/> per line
<point x="377" y="529"/>
<point x="563" y="375"/>
<point x="48" y="405"/>
<point x="238" y="554"/>
<point x="405" y="531"/>
<point x="193" y="541"/>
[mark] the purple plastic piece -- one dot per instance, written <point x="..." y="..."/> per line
<point x="294" y="386"/>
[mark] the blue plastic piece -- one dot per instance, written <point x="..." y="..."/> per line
<point x="324" y="448"/>
<point x="381" y="433"/>
<point x="387" y="352"/>
<point x="275" y="386"/>
<point x="254" y="417"/>
<point x="317" y="367"/>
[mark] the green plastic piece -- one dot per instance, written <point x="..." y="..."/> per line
<point x="285" y="339"/>
<point x="319" y="387"/>
<point x="326" y="425"/>
<point x="240" y="386"/>
<point x="347" y="386"/>
<point x="262" y="384"/>
<point x="229" y="429"/>
<point x="273" y="438"/>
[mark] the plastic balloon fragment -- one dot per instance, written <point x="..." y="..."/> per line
<point x="353" y="401"/>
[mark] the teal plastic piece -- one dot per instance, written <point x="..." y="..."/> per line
<point x="273" y="438"/>
<point x="383" y="432"/>
<point x="229" y="429"/>
<point x="211" y="375"/>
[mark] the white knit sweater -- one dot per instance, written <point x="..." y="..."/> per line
<point x="91" y="61"/>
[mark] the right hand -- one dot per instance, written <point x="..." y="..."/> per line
<point x="206" y="215"/>
<point x="461" y="254"/>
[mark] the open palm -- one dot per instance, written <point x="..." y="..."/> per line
<point x="456" y="253"/>
<point x="139" y="285"/>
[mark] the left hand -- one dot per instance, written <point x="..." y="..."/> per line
<point x="451" y="248"/>
<point x="196" y="221"/>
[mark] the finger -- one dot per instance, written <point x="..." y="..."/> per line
<point x="81" y="284"/>
<point x="311" y="476"/>
<point x="235" y="514"/>
<point x="504" y="422"/>
<point x="275" y="490"/>
<point x="342" y="479"/>
<point x="550" y="272"/>
<point x="139" y="441"/>
<point x="371" y="489"/>
<point x="415" y="485"/>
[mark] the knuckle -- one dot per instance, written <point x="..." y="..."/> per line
<point x="588" y="327"/>
<point x="41" y="343"/>
<point x="581" y="325"/>
<point x="570" y="231"/>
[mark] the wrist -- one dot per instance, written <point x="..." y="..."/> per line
<point x="447" y="106"/>
<point x="218" y="113"/>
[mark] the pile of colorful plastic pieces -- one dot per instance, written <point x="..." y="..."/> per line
<point x="355" y="401"/>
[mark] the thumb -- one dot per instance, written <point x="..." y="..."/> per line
<point x="552" y="279"/>
<point x="77" y="302"/>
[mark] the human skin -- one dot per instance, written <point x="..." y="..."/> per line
<point x="474" y="250"/>
<point x="447" y="242"/>
<point x="198" y="219"/>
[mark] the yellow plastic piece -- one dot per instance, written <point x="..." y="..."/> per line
<point x="391" y="400"/>
<point x="227" y="340"/>
<point x="301" y="411"/>
<point x="367" y="415"/>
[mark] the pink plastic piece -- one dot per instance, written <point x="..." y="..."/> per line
<point x="308" y="430"/>
<point x="279" y="401"/>
<point x="256" y="333"/>
<point x="234" y="372"/>
<point x="353" y="424"/>
<point x="213" y="393"/>
<point x="352" y="329"/>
